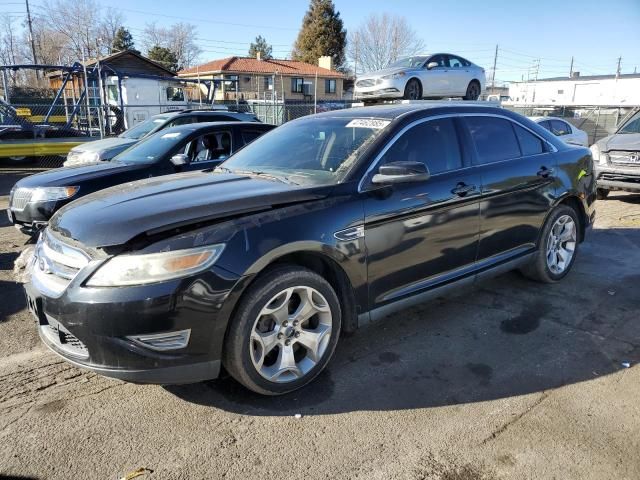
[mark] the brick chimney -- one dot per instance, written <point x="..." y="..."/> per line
<point x="326" y="62"/>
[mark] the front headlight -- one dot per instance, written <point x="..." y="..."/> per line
<point x="50" y="194"/>
<point x="132" y="269"/>
<point x="598" y="156"/>
<point x="394" y="76"/>
<point x="88" y="157"/>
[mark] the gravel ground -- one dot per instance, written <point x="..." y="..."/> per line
<point x="508" y="380"/>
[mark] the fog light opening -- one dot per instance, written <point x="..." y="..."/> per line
<point x="163" y="341"/>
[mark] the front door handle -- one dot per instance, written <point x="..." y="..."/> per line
<point x="545" y="172"/>
<point x="462" y="189"/>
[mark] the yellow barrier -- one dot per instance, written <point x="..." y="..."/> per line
<point x="36" y="149"/>
<point x="25" y="113"/>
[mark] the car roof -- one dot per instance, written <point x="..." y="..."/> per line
<point x="393" y="111"/>
<point x="540" y="119"/>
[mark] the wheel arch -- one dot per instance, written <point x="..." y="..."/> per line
<point x="571" y="199"/>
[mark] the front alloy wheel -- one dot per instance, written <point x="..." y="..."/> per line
<point x="413" y="90"/>
<point x="561" y="244"/>
<point x="284" y="331"/>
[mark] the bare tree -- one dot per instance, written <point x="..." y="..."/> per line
<point x="380" y="40"/>
<point x="76" y="20"/>
<point x="179" y="38"/>
<point x="111" y="22"/>
<point x="9" y="45"/>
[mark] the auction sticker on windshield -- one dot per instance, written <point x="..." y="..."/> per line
<point x="368" y="123"/>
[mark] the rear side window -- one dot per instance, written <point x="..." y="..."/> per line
<point x="434" y="143"/>
<point x="560" y="128"/>
<point x="529" y="143"/>
<point x="494" y="139"/>
<point x="545" y="124"/>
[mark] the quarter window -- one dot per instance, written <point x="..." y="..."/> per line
<point x="434" y="143"/>
<point x="494" y="139"/>
<point x="529" y="143"/>
<point x="560" y="128"/>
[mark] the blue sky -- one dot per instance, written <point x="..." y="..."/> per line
<point x="596" y="33"/>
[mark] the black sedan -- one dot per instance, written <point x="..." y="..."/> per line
<point x="199" y="146"/>
<point x="317" y="227"/>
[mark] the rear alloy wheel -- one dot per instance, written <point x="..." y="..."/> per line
<point x="473" y="91"/>
<point x="412" y="90"/>
<point x="558" y="247"/>
<point x="602" y="193"/>
<point x="284" y="332"/>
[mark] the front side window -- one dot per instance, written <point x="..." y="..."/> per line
<point x="212" y="146"/>
<point x="309" y="151"/>
<point x="175" y="94"/>
<point x="441" y="60"/>
<point x="297" y="85"/>
<point x="434" y="143"/>
<point x="494" y="139"/>
<point x="560" y="128"/>
<point x="632" y="126"/>
<point x="330" y="86"/>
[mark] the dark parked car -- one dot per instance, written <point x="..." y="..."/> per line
<point x="317" y="227"/>
<point x="107" y="148"/>
<point x="34" y="199"/>
<point x="617" y="159"/>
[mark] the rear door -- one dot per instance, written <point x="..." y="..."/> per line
<point x="517" y="169"/>
<point x="419" y="235"/>
<point x="459" y="74"/>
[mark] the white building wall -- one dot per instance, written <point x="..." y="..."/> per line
<point x="621" y="91"/>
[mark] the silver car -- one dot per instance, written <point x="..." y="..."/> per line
<point x="413" y="78"/>
<point x="616" y="159"/>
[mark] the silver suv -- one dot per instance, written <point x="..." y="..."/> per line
<point x="617" y="159"/>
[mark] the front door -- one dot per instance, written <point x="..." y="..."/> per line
<point x="436" y="80"/>
<point x="419" y="235"/>
<point x="518" y="185"/>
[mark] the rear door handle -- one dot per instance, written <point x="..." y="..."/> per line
<point x="462" y="189"/>
<point x="545" y="172"/>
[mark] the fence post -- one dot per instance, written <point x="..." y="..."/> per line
<point x="595" y="129"/>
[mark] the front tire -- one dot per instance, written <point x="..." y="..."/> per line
<point x="557" y="248"/>
<point x="473" y="91"/>
<point x="412" y="90"/>
<point x="284" y="331"/>
<point x="602" y="193"/>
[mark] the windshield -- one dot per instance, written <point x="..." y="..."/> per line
<point x="632" y="126"/>
<point x="140" y="130"/>
<point x="408" y="62"/>
<point x="152" y="147"/>
<point x="310" y="151"/>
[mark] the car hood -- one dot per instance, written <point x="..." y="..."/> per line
<point x="72" y="176"/>
<point x="116" y="215"/>
<point x="621" y="141"/>
<point x="105" y="144"/>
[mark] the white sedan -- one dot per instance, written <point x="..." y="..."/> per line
<point x="563" y="129"/>
<point x="413" y="78"/>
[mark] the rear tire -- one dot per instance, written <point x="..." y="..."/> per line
<point x="284" y="331"/>
<point x="557" y="248"/>
<point x="412" y="90"/>
<point x="473" y="91"/>
<point x="602" y="193"/>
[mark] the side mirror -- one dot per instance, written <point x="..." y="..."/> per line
<point x="431" y="65"/>
<point x="180" y="159"/>
<point x="401" y="172"/>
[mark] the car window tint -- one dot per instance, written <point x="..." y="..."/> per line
<point x="434" y="143"/>
<point x="529" y="143"/>
<point x="249" y="136"/>
<point x="494" y="139"/>
<point x="213" y="146"/>
<point x="545" y="124"/>
<point x="441" y="60"/>
<point x="560" y="128"/>
<point x="455" y="62"/>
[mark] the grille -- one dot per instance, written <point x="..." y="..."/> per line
<point x="619" y="177"/>
<point x="628" y="158"/>
<point x="20" y="198"/>
<point x="55" y="264"/>
<point x="367" y="82"/>
<point x="64" y="339"/>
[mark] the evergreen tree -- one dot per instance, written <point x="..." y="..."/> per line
<point x="322" y="33"/>
<point x="164" y="57"/>
<point x="123" y="41"/>
<point x="260" y="45"/>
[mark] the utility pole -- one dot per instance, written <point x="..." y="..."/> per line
<point x="493" y="72"/>
<point x="619" y="66"/>
<point x="571" y="68"/>
<point x="31" y="40"/>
